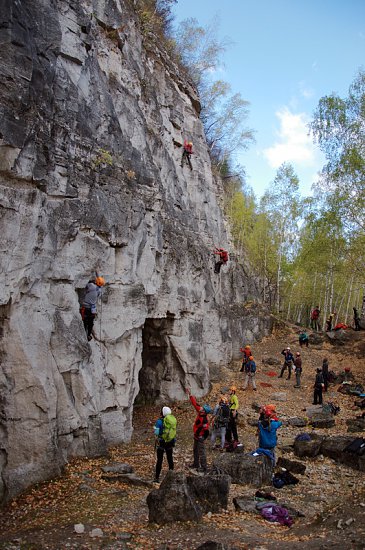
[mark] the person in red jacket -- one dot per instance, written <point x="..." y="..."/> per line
<point x="223" y="258"/>
<point x="201" y="432"/>
<point x="188" y="151"/>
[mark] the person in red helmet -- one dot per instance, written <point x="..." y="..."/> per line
<point x="223" y="258"/>
<point x="188" y="151"/>
<point x="201" y="432"/>
<point x="88" y="305"/>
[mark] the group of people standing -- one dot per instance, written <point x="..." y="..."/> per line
<point x="222" y="425"/>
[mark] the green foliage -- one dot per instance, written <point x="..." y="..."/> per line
<point x="223" y="114"/>
<point x="155" y="17"/>
<point x="103" y="158"/>
<point x="339" y="128"/>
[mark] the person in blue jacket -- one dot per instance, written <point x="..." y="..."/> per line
<point x="288" y="362"/>
<point x="267" y="427"/>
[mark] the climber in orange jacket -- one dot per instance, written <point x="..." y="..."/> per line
<point x="223" y="258"/>
<point x="188" y="151"/>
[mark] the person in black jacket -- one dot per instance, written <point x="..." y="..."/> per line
<point x="288" y="362"/>
<point x="318" y="388"/>
<point x="325" y="373"/>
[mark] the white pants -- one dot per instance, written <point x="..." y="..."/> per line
<point x="250" y="376"/>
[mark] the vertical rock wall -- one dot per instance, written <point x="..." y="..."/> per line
<point x="92" y="120"/>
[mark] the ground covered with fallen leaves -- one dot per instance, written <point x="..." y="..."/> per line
<point x="331" y="496"/>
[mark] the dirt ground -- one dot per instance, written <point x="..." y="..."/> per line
<point x="331" y="496"/>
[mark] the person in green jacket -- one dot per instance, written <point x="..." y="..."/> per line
<point x="233" y="411"/>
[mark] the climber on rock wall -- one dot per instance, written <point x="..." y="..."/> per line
<point x="188" y="151"/>
<point x="88" y="307"/>
<point x="223" y="258"/>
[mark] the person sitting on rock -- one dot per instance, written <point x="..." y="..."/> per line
<point x="268" y="425"/>
<point x="303" y="339"/>
<point x="88" y="306"/>
<point x="188" y="151"/>
<point x="288" y="362"/>
<point x="201" y="432"/>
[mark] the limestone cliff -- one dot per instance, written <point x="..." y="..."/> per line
<point x="92" y="122"/>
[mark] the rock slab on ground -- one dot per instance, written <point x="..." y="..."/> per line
<point x="245" y="469"/>
<point x="187" y="498"/>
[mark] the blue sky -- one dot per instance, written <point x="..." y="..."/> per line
<point x="285" y="56"/>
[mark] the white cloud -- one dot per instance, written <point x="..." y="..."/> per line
<point x="293" y="145"/>
<point x="305" y="90"/>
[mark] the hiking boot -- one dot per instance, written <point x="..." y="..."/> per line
<point x="193" y="466"/>
<point x="202" y="471"/>
<point x="156" y="480"/>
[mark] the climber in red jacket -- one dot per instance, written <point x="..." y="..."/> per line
<point x="188" y="151"/>
<point x="223" y="258"/>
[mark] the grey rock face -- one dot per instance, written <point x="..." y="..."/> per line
<point x="92" y="119"/>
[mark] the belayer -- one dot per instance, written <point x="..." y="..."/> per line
<point x="165" y="432"/>
<point x="223" y="258"/>
<point x="188" y="151"/>
<point x="88" y="306"/>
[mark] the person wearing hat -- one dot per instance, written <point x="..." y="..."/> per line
<point x="250" y="373"/>
<point x="268" y="425"/>
<point x="298" y="369"/>
<point x="201" y="432"/>
<point x="318" y="388"/>
<point x="187" y="152"/>
<point x="233" y="411"/>
<point x="88" y="306"/>
<point x="288" y="362"/>
<point x="165" y="431"/>
<point x="220" y="421"/>
<point x="246" y="354"/>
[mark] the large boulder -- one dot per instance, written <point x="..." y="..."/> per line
<point x="308" y="448"/>
<point x="187" y="498"/>
<point x="246" y="469"/>
<point x="292" y="466"/>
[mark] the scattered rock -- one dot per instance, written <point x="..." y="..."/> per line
<point x="320" y="419"/>
<point x="309" y="448"/>
<point x="271" y="361"/>
<point x="355" y="425"/>
<point x="292" y="466"/>
<point x="118" y="468"/>
<point x="297" y="422"/>
<point x="130" y="478"/>
<point x="182" y="498"/>
<point x="245" y="504"/>
<point x="79" y="528"/>
<point x="245" y="469"/>
<point x="279" y="396"/>
<point x="96" y="533"/>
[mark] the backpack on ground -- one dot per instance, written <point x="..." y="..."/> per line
<point x="222" y="416"/>
<point x="357" y="446"/>
<point x="169" y="428"/>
